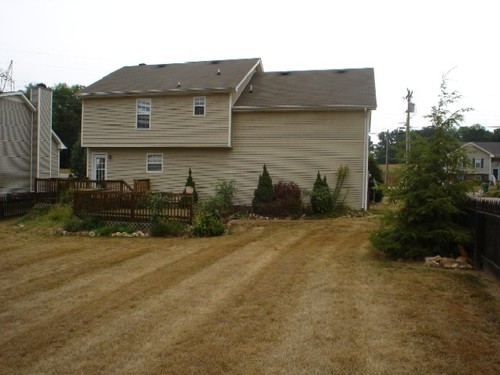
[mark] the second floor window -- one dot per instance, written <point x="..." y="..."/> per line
<point x="143" y="113"/>
<point x="478" y="163"/>
<point x="199" y="106"/>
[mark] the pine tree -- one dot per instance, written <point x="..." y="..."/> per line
<point x="432" y="198"/>
<point x="190" y="182"/>
<point x="321" y="197"/>
<point x="265" y="190"/>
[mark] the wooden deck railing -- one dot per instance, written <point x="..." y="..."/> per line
<point x="132" y="206"/>
<point x="61" y="185"/>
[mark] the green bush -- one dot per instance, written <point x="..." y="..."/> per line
<point x="321" y="196"/>
<point x="167" y="228"/>
<point x="207" y="225"/>
<point x="265" y="190"/>
<point x="74" y="224"/>
<point x="287" y="201"/>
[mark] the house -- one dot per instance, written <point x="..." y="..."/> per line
<point x="485" y="157"/>
<point x="225" y="120"/>
<point x="29" y="147"/>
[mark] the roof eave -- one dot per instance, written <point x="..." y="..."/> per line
<point x="491" y="155"/>
<point x="177" y="91"/>
<point x="333" y="107"/>
<point x="23" y="98"/>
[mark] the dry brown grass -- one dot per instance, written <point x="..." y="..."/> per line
<point x="306" y="297"/>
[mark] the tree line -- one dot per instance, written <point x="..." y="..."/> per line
<point x="396" y="140"/>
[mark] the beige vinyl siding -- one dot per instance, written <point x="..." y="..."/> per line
<point x="15" y="145"/>
<point x="54" y="162"/>
<point x="475" y="153"/>
<point x="293" y="145"/>
<point x="42" y="98"/>
<point x="112" y="122"/>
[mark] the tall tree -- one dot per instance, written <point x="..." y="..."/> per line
<point x="66" y="117"/>
<point x="474" y="133"/>
<point x="430" y="194"/>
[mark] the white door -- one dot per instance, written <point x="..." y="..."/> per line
<point x="99" y="166"/>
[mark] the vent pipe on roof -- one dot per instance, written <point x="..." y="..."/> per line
<point x="142" y="64"/>
<point x="251" y="89"/>
<point x="179" y="84"/>
<point x="218" y="72"/>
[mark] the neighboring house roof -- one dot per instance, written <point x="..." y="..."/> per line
<point x="21" y="95"/>
<point x="345" y="88"/>
<point x="29" y="104"/>
<point x="492" y="148"/>
<point x="223" y="76"/>
<point x="60" y="144"/>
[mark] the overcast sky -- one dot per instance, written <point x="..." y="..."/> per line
<point x="410" y="44"/>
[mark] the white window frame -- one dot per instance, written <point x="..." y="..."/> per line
<point x="478" y="162"/>
<point x="197" y="104"/>
<point x="141" y="111"/>
<point x="149" y="163"/>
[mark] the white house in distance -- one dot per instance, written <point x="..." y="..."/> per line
<point x="225" y="120"/>
<point x="29" y="148"/>
<point x="485" y="157"/>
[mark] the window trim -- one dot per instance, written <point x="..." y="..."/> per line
<point x="148" y="163"/>
<point x="138" y="112"/>
<point x="204" y="106"/>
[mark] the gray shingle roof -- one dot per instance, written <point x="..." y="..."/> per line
<point x="491" y="147"/>
<point x="346" y="88"/>
<point x="162" y="78"/>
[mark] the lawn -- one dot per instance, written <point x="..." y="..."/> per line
<point x="287" y="297"/>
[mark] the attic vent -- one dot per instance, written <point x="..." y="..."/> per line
<point x="341" y="71"/>
<point x="142" y="64"/>
<point x="214" y="62"/>
<point x="285" y="73"/>
<point x="162" y="65"/>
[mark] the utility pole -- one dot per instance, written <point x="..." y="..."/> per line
<point x="410" y="109"/>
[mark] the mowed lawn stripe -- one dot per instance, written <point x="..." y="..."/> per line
<point x="76" y="290"/>
<point x="129" y="339"/>
<point x="250" y="323"/>
<point x="49" y="336"/>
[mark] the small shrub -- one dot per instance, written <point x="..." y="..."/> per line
<point x="287" y="201"/>
<point x="74" y="224"/>
<point x="207" y="225"/>
<point x="167" y="228"/>
<point x="265" y="190"/>
<point x="190" y="182"/>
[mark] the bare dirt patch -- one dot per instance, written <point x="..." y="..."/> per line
<point x="273" y="297"/>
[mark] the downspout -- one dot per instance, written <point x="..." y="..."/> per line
<point x="31" y="153"/>
<point x="230" y="135"/>
<point x="364" y="200"/>
<point x="50" y="143"/>
<point x="38" y="116"/>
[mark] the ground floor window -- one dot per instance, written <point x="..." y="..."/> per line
<point x="154" y="163"/>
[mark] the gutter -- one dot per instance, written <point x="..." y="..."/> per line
<point x="121" y="93"/>
<point x="333" y="107"/>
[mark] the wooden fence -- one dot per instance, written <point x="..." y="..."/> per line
<point x="132" y="206"/>
<point x="484" y="218"/>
